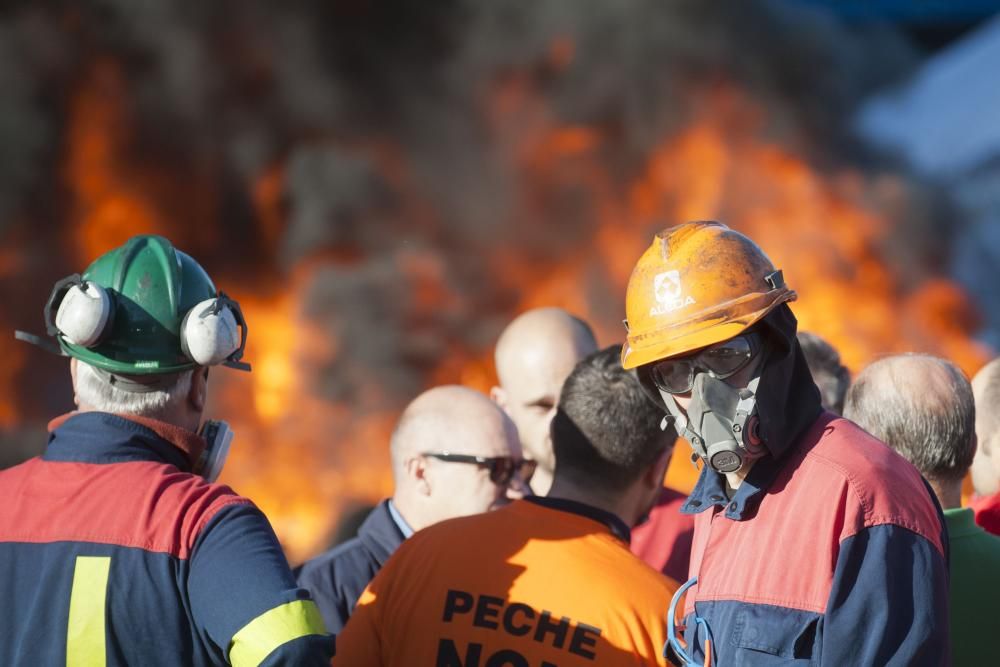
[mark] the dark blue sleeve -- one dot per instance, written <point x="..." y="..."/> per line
<point x="320" y="578"/>
<point x="888" y="602"/>
<point x="244" y="599"/>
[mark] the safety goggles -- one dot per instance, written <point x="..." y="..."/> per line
<point x="502" y="468"/>
<point x="674" y="643"/>
<point x="676" y="375"/>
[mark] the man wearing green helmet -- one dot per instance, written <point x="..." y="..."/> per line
<point x="118" y="547"/>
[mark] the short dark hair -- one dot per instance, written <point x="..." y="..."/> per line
<point x="606" y="430"/>
<point x="933" y="428"/>
<point x="831" y="376"/>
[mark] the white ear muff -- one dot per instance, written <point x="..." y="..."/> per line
<point x="84" y="313"/>
<point x="210" y="333"/>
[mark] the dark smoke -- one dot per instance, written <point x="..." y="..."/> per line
<point x="398" y="132"/>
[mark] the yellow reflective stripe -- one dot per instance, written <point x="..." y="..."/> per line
<point x="85" y="643"/>
<point x="260" y="637"/>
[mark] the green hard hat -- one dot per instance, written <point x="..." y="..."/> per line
<point x="154" y="286"/>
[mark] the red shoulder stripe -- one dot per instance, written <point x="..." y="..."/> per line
<point x="145" y="505"/>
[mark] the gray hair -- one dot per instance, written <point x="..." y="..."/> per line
<point x="95" y="390"/>
<point x="831" y="376"/>
<point x="922" y="407"/>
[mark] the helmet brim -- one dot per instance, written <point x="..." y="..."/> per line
<point x="699" y="332"/>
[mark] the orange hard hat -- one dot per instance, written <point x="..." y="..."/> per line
<point x="698" y="284"/>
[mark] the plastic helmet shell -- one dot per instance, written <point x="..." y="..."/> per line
<point x="697" y="284"/>
<point x="155" y="286"/>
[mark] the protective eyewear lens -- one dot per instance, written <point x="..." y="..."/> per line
<point x="676" y="376"/>
<point x="501" y="468"/>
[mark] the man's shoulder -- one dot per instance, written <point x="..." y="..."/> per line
<point x="843" y="449"/>
<point x="879" y="486"/>
<point x="331" y="566"/>
<point x="145" y="504"/>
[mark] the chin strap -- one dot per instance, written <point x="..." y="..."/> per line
<point x="681" y="423"/>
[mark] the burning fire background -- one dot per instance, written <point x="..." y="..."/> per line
<point x="383" y="186"/>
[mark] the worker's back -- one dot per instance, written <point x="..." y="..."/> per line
<point x="541" y="581"/>
<point x="113" y="554"/>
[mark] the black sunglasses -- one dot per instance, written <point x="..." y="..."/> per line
<point x="502" y="468"/>
<point x="676" y="375"/>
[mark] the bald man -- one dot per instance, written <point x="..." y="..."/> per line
<point x="454" y="453"/>
<point x="923" y="407"/>
<point x="986" y="465"/>
<point x="534" y="356"/>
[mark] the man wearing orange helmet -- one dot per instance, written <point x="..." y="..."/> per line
<point x="813" y="541"/>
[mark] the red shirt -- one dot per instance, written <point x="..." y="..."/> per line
<point x="664" y="540"/>
<point x="987" y="511"/>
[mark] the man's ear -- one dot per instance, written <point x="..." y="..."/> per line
<point x="72" y="374"/>
<point x="656" y="472"/>
<point x="416" y="470"/>
<point x="499" y="396"/>
<point x="986" y="444"/>
<point x="198" y="392"/>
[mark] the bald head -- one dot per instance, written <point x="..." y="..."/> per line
<point x="451" y="418"/>
<point x="438" y="424"/>
<point x="986" y="466"/>
<point x="541" y="337"/>
<point x="922" y="407"/>
<point x="986" y="389"/>
<point x="534" y="356"/>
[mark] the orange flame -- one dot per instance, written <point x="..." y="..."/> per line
<point x="108" y="208"/>
<point x="302" y="457"/>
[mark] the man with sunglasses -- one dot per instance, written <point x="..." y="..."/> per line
<point x="814" y="542"/>
<point x="454" y="453"/>
<point x="543" y="581"/>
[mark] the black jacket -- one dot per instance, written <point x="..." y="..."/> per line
<point x="337" y="578"/>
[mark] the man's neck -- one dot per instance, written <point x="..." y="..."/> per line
<point x="541" y="482"/>
<point x="735" y="479"/>
<point x="569" y="491"/>
<point x="949" y="494"/>
<point x="408" y="511"/>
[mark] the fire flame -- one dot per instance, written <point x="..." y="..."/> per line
<point x="302" y="457"/>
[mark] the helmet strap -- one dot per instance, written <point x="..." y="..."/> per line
<point x="138" y="384"/>
<point x="223" y="301"/>
<point x="44" y="343"/>
<point x="55" y="298"/>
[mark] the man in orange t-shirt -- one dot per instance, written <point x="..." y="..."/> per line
<point x="544" y="581"/>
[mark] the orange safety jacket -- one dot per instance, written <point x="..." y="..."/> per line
<point x="542" y="582"/>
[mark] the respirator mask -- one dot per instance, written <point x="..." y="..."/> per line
<point x="721" y="423"/>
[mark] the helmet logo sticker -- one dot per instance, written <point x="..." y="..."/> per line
<point x="669" y="294"/>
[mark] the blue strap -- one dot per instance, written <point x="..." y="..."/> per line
<point x="672" y="641"/>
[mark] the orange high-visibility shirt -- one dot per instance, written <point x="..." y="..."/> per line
<point x="523" y="586"/>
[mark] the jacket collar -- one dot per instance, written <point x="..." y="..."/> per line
<point x="614" y="523"/>
<point x="710" y="491"/>
<point x="380" y="532"/>
<point x="101" y="437"/>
